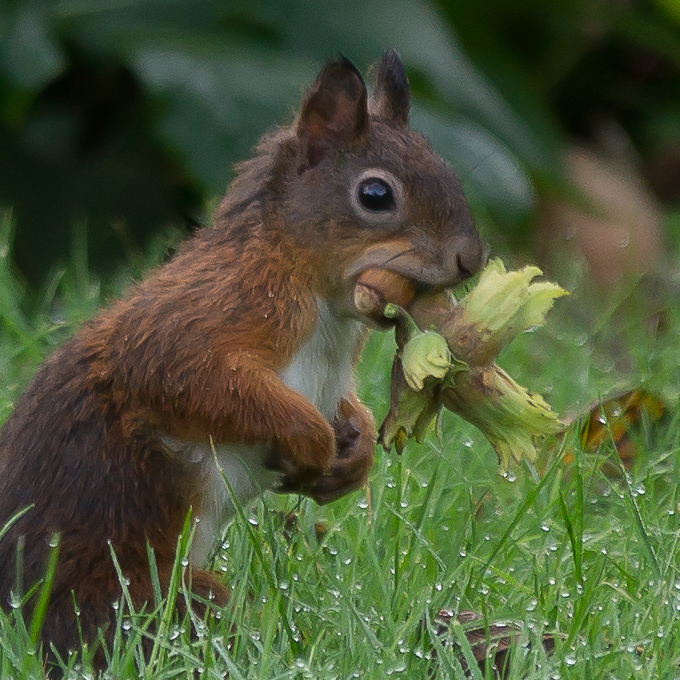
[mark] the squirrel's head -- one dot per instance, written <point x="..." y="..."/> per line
<point x="355" y="188"/>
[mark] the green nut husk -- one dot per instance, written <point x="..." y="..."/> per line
<point x="422" y="362"/>
<point x="412" y="414"/>
<point x="502" y="305"/>
<point x="514" y="420"/>
<point x="426" y="374"/>
<point x="426" y="355"/>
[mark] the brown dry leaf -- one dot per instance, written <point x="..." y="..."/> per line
<point x="619" y="418"/>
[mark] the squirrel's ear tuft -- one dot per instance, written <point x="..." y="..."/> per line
<point x="335" y="111"/>
<point x="391" y="98"/>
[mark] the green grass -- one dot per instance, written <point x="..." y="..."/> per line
<point x="351" y="590"/>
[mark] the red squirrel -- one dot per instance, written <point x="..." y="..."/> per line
<point x="246" y="340"/>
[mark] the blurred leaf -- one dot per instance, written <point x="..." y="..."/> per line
<point x="218" y="103"/>
<point x="29" y="53"/>
<point x="491" y="173"/>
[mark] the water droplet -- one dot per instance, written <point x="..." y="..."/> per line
<point x="624" y="240"/>
<point x="570" y="660"/>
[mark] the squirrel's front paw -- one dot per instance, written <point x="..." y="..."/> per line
<point x="303" y="460"/>
<point x="355" y="445"/>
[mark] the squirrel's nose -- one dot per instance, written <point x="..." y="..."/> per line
<point x="470" y="255"/>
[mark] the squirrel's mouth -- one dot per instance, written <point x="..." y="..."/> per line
<point x="403" y="260"/>
<point x="397" y="273"/>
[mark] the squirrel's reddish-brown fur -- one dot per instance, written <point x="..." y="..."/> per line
<point x="108" y="442"/>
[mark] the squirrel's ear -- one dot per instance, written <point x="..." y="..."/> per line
<point x="335" y="111"/>
<point x="391" y="98"/>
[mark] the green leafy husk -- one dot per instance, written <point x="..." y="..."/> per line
<point x="429" y="373"/>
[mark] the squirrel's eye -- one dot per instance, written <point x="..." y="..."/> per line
<point x="376" y="194"/>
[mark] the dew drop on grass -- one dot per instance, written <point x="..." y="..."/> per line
<point x="363" y="503"/>
<point x="468" y="443"/>
<point x="462" y="553"/>
<point x="570" y="660"/>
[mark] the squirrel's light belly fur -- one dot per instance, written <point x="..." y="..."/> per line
<point x="321" y="371"/>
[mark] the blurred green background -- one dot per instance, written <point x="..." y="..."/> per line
<point x="120" y="119"/>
